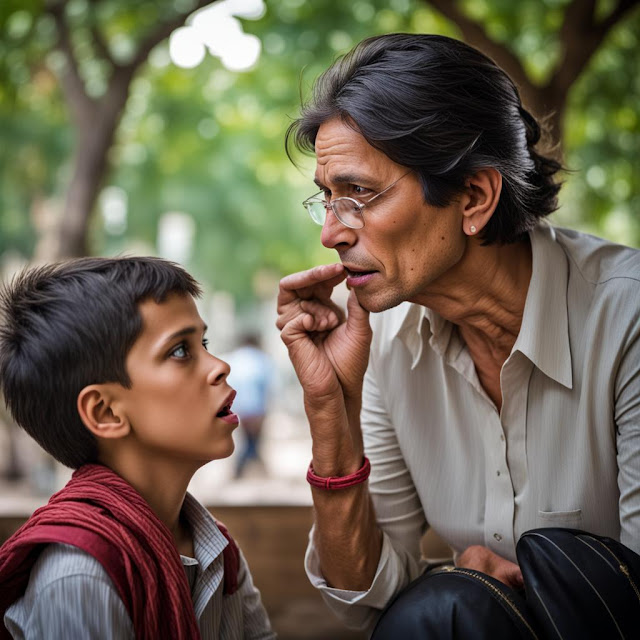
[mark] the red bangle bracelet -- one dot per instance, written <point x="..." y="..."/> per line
<point x="340" y="482"/>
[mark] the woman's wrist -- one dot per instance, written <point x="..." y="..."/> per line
<point x="337" y="459"/>
<point x="333" y="483"/>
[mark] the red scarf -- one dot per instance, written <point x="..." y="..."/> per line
<point x="100" y="513"/>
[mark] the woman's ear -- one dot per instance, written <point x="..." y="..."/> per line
<point x="101" y="412"/>
<point x="482" y="196"/>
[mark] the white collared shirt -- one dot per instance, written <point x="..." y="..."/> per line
<point x="563" y="451"/>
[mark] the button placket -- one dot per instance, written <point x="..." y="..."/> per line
<point x="499" y="490"/>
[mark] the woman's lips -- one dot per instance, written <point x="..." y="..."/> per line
<point x="359" y="278"/>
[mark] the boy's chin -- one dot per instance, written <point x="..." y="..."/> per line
<point x="225" y="452"/>
<point x="221" y="451"/>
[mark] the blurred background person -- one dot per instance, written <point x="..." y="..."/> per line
<point x="252" y="373"/>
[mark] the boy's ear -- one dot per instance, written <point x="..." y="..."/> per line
<point x="101" y="412"/>
<point x="482" y="196"/>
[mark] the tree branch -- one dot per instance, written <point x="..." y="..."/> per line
<point x="163" y="31"/>
<point x="578" y="15"/>
<point x="623" y="7"/>
<point x="474" y="34"/>
<point x="72" y="84"/>
<point x="581" y="36"/>
<point x="112" y="102"/>
<point x="101" y="45"/>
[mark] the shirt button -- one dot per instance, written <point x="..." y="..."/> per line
<point x="498" y="472"/>
<point x="502" y="437"/>
<point x="497" y="536"/>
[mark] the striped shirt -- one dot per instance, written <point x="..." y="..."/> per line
<point x="70" y="596"/>
<point x="563" y="451"/>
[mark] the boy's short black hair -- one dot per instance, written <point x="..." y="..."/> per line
<point x="68" y="325"/>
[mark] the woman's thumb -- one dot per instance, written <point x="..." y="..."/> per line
<point x="357" y="316"/>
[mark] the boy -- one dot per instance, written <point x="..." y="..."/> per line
<point x="104" y="363"/>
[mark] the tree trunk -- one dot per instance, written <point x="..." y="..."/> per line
<point x="548" y="105"/>
<point x="96" y="122"/>
<point x="89" y="167"/>
<point x="95" y="138"/>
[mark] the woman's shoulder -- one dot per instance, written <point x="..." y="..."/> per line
<point x="600" y="261"/>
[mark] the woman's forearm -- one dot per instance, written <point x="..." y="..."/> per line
<point x="346" y="536"/>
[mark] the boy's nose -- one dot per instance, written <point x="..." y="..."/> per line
<point x="219" y="371"/>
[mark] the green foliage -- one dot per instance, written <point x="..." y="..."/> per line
<point x="33" y="127"/>
<point x="602" y="140"/>
<point x="209" y="142"/>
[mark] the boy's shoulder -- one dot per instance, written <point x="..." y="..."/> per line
<point x="67" y="584"/>
<point x="61" y="561"/>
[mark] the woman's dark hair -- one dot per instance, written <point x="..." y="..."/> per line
<point x="68" y="325"/>
<point x="445" y="110"/>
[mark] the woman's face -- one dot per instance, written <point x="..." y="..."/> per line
<point x="406" y="245"/>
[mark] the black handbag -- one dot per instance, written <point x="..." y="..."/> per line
<point x="577" y="586"/>
<point x="452" y="602"/>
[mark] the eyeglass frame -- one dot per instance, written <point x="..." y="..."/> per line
<point x="314" y="199"/>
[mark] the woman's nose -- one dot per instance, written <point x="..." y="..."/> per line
<point x="334" y="233"/>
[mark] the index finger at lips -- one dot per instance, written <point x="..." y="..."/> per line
<point x="317" y="282"/>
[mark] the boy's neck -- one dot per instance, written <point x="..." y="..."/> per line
<point x="184" y="538"/>
<point x="164" y="488"/>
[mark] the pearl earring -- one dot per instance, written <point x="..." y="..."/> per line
<point x="472" y="228"/>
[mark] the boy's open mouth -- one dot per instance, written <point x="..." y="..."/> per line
<point x="226" y="409"/>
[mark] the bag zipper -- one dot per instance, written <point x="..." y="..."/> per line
<point x="621" y="565"/>
<point x="495" y="590"/>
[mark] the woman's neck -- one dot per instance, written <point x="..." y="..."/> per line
<point x="485" y="293"/>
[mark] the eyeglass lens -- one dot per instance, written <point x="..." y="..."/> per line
<point x="347" y="211"/>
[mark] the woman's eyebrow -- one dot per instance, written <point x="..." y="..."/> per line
<point x="345" y="178"/>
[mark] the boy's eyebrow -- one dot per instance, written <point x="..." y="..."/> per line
<point x="187" y="331"/>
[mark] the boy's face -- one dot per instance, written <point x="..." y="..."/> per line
<point x="178" y="405"/>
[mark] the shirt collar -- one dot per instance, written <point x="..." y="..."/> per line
<point x="412" y="321"/>
<point x="544" y="334"/>
<point x="208" y="541"/>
